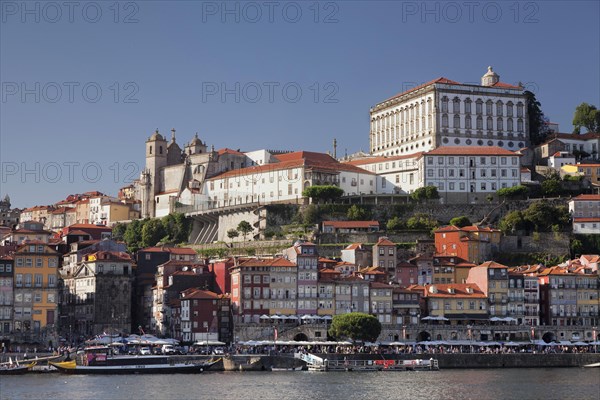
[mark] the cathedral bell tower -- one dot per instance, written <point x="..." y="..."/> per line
<point x="156" y="160"/>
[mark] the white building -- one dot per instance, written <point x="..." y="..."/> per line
<point x="585" y="210"/>
<point x="560" y="159"/>
<point x="395" y="174"/>
<point x="588" y="142"/>
<point x="469" y="174"/>
<point x="285" y="180"/>
<point x="443" y="112"/>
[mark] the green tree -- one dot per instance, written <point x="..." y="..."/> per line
<point x="425" y="193"/>
<point x="460" y="221"/>
<point x="118" y="231"/>
<point x="394" y="224"/>
<point x="543" y="215"/>
<point x="357" y="213"/>
<point x="355" y="326"/>
<point x="133" y="235"/>
<point x="538" y="123"/>
<point x="232" y="234"/>
<point x="421" y="221"/>
<point x="310" y="216"/>
<point x="513" y="192"/>
<point x="586" y="116"/>
<point x="323" y="193"/>
<point x="152" y="232"/>
<point x="245" y="228"/>
<point x="513" y="221"/>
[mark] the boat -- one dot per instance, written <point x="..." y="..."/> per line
<point x="100" y="360"/>
<point x="318" y="364"/>
<point x="15" y="369"/>
<point x="275" y="369"/>
<point x="594" y="365"/>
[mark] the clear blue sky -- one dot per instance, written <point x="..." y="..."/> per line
<point x="171" y="57"/>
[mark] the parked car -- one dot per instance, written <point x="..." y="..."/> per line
<point x="168" y="349"/>
<point x="145" y="351"/>
<point x="218" y="351"/>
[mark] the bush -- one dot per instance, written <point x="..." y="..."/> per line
<point x="425" y="193"/>
<point x="355" y="326"/>
<point x="394" y="224"/>
<point x="357" y="213"/>
<point x="519" y="191"/>
<point x="460" y="221"/>
<point x="323" y="193"/>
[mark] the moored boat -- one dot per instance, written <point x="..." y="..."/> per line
<point x="100" y="360"/>
<point x="15" y="369"/>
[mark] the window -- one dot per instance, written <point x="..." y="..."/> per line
<point x="51" y="280"/>
<point x="38" y="280"/>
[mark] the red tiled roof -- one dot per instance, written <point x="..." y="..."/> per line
<point x="505" y="85"/>
<point x="574" y="136"/>
<point x="492" y="264"/>
<point x="587" y="197"/>
<point x="470" y="150"/>
<point x="460" y="290"/>
<point x="378" y="159"/>
<point x="351" y="224"/>
<point x="354" y="246"/>
<point x="195" y="293"/>
<point x="431" y="82"/>
<point x="586" y="219"/>
<point x="229" y="151"/>
<point x="318" y="161"/>
<point x="385" y="242"/>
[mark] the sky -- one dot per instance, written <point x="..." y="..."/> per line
<point x="85" y="83"/>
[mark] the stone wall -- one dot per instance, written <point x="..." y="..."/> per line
<point x="544" y="242"/>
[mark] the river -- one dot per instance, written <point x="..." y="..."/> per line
<point x="488" y="384"/>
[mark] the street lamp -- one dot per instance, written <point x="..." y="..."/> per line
<point x="595" y="337"/>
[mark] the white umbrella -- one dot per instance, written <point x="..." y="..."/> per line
<point x="275" y="316"/>
<point x="292" y="317"/>
<point x="305" y="317"/>
<point x="327" y="317"/>
<point x="264" y="316"/>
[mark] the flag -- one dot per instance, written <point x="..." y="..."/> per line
<point x="275" y="334"/>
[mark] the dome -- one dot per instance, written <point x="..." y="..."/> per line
<point x="195" y="141"/>
<point x="156" y="136"/>
<point x="490" y="78"/>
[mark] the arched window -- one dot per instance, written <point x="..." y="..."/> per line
<point x="488" y="107"/>
<point x="519" y="125"/>
<point x="509" y="124"/>
<point x="509" y="109"/>
<point x="160" y="150"/>
<point x="479" y="106"/>
<point x="150" y="150"/>
<point x="489" y="124"/>
<point x="444" y="121"/>
<point x="457" y="121"/>
<point x="444" y="104"/>
<point x="499" y="105"/>
<point x="479" y="122"/>
<point x="456" y="105"/>
<point x="519" y="109"/>
<point x="468" y="106"/>
<point x="468" y="122"/>
<point x="500" y="124"/>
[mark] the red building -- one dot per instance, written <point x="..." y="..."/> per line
<point x="204" y="316"/>
<point x="472" y="243"/>
<point x="220" y="270"/>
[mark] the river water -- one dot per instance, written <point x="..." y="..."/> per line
<point x="488" y="384"/>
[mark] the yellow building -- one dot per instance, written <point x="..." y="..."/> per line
<point x="456" y="302"/>
<point x="36" y="288"/>
<point x="492" y="278"/>
<point x="587" y="297"/>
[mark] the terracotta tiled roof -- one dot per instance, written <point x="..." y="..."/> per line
<point x="197" y="294"/>
<point x="354" y="246"/>
<point x="470" y="150"/>
<point x="492" y="264"/>
<point x="307" y="159"/>
<point x="460" y="290"/>
<point x="229" y="151"/>
<point x="431" y="82"/>
<point x="586" y="219"/>
<point x="506" y="85"/>
<point x="587" y="197"/>
<point x="385" y="242"/>
<point x="351" y="224"/>
<point x="378" y="159"/>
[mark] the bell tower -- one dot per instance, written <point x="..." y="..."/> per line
<point x="156" y="160"/>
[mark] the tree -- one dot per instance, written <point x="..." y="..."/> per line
<point x="543" y="215"/>
<point x="513" y="192"/>
<point x="310" y="216"/>
<point x="586" y="116"/>
<point x="357" y="213"/>
<point x="513" y="221"/>
<point x="152" y="232"/>
<point x="133" y="235"/>
<point x="232" y="234"/>
<point x="551" y="187"/>
<point x="421" y="221"/>
<point x="460" y="221"/>
<point x="118" y="231"/>
<point x="425" y="193"/>
<point x="323" y="193"/>
<point x="355" y="326"/>
<point x="245" y="228"/>
<point x="538" y="123"/>
<point x="394" y="224"/>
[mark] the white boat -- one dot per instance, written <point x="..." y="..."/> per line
<point x="274" y="369"/>
<point x="594" y="365"/>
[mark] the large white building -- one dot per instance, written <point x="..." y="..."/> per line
<point x="284" y="181"/>
<point x="443" y="112"/>
<point x="395" y="174"/>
